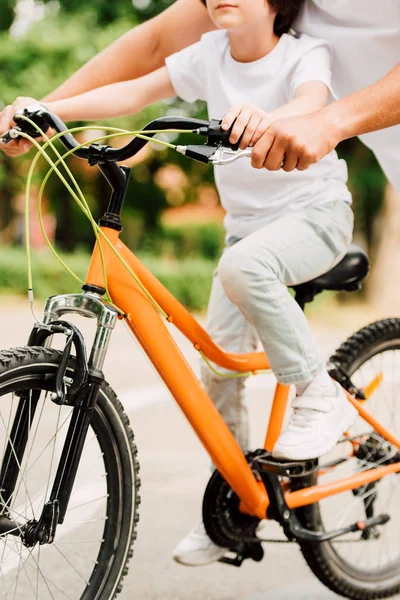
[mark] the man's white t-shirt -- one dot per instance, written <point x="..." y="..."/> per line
<point x="207" y="71"/>
<point x="365" y="40"/>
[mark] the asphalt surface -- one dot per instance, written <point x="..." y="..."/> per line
<point x="174" y="472"/>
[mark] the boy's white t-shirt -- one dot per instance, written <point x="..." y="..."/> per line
<point x="207" y="71"/>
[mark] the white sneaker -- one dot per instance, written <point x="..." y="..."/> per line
<point x="197" y="549"/>
<point x="317" y="422"/>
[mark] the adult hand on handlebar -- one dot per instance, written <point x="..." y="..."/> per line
<point x="19" y="146"/>
<point x="294" y="143"/>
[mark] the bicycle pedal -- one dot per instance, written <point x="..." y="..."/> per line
<point x="253" y="551"/>
<point x="298" y="468"/>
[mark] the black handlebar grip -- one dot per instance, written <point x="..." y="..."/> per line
<point x="37" y="116"/>
<point x="218" y="136"/>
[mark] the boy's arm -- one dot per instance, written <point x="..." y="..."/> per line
<point x="140" y="51"/>
<point x="308" y="98"/>
<point x="115" y="100"/>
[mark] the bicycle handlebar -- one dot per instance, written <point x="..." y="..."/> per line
<point x="213" y="151"/>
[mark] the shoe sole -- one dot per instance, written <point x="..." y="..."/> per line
<point x="186" y="563"/>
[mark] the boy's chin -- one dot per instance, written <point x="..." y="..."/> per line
<point x="227" y="22"/>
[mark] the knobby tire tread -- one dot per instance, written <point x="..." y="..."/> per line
<point x="350" y="353"/>
<point x="26" y="355"/>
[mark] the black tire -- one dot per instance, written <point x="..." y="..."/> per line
<point x="324" y="560"/>
<point x="34" y="368"/>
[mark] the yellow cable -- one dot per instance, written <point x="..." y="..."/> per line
<point x="82" y="203"/>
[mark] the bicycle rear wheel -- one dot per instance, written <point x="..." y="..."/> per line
<point x="89" y="556"/>
<point x="362" y="566"/>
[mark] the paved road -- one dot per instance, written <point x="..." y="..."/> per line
<point x="174" y="471"/>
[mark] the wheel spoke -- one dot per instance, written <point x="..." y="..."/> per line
<point x="373" y="556"/>
<point x="81" y="546"/>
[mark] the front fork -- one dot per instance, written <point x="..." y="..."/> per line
<point x="80" y="392"/>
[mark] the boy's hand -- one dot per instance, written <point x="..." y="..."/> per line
<point x="21" y="146"/>
<point x="250" y="124"/>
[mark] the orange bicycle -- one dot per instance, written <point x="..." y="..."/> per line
<point x="69" y="486"/>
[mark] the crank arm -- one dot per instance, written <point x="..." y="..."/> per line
<point x="253" y="550"/>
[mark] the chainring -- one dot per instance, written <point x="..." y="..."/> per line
<point x="225" y="524"/>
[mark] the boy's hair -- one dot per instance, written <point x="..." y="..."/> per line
<point x="287" y="11"/>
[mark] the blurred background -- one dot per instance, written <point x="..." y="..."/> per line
<point x="172" y="216"/>
<point x="173" y="221"/>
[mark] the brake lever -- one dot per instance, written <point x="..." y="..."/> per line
<point x="214" y="155"/>
<point x="218" y="157"/>
<point x="10" y="135"/>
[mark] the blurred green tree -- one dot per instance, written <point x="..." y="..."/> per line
<point x="54" y="48"/>
<point x="7" y="14"/>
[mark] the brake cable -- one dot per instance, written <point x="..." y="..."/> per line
<point x="83" y="205"/>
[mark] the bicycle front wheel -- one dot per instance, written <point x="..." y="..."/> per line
<point x="89" y="555"/>
<point x="362" y="566"/>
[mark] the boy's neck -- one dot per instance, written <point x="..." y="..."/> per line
<point x="253" y="43"/>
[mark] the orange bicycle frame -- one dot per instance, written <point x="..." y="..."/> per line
<point x="148" y="327"/>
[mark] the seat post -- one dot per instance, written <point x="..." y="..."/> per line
<point x="305" y="293"/>
<point x="300" y="301"/>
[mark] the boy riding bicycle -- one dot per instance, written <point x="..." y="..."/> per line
<point x="282" y="228"/>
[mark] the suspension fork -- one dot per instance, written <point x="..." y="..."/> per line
<point x="82" y="395"/>
<point x="74" y="443"/>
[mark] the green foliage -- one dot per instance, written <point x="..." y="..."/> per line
<point x="48" y="276"/>
<point x="189" y="279"/>
<point x="53" y="49"/>
<point x="102" y="12"/>
<point x="6" y="14"/>
<point x="367" y="182"/>
<point x="106" y="11"/>
<point x="205" y="240"/>
<point x="202" y="240"/>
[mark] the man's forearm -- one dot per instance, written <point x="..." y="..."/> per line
<point x="141" y="50"/>
<point x="373" y="108"/>
<point x="112" y="64"/>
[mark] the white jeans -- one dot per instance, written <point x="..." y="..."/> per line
<point x="249" y="300"/>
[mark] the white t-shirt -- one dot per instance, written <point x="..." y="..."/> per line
<point x="207" y="71"/>
<point x="365" y="40"/>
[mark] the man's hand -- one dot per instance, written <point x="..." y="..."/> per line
<point x="250" y="124"/>
<point x="16" y="147"/>
<point x="295" y="143"/>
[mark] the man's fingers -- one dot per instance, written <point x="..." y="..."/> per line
<point x="306" y="160"/>
<point x="275" y="156"/>
<point x="261" y="149"/>
<point x="291" y="160"/>
<point x="249" y="132"/>
<point x="259" y="132"/>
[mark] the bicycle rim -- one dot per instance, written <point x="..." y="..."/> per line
<point x="92" y="545"/>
